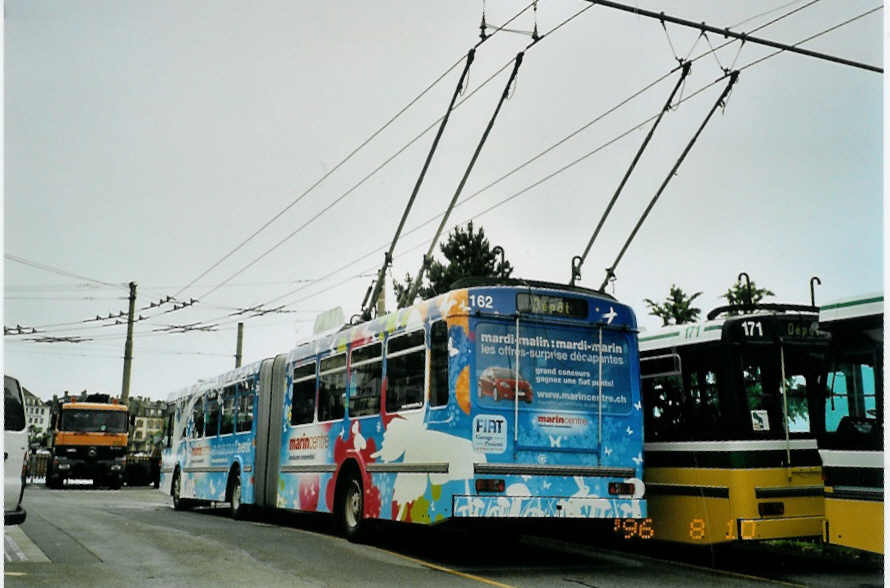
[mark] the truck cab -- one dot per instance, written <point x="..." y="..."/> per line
<point x="89" y="442"/>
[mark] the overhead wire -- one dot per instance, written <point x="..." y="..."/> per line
<point x="61" y="272"/>
<point x="564" y="168"/>
<point x="347" y="158"/>
<point x="558" y="171"/>
<point x="575" y="161"/>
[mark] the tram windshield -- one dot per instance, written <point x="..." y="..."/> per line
<point x="765" y="371"/>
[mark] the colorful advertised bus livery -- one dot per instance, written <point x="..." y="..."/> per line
<point x="498" y="401"/>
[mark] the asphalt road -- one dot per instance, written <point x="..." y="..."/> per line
<point x="87" y="537"/>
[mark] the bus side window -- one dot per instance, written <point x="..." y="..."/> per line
<point x="198" y="418"/>
<point x="439" y="364"/>
<point x="332" y="388"/>
<point x="227" y="425"/>
<point x="405" y="362"/>
<point x="303" y="395"/>
<point x="245" y="408"/>
<point x="211" y="427"/>
<point x="366" y="376"/>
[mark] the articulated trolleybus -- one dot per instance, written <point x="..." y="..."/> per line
<point x="731" y="452"/>
<point x="505" y="400"/>
<point x="852" y="440"/>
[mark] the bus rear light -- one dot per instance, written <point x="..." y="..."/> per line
<point x="490" y="485"/>
<point x="771" y="509"/>
<point x="621" y="488"/>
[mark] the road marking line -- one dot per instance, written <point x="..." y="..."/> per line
<point x="449" y="570"/>
<point x="12" y="551"/>
<point x="14" y="574"/>
<point x="16" y="540"/>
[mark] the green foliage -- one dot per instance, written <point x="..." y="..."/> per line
<point x="677" y="307"/>
<point x="467" y="254"/>
<point x="742" y="293"/>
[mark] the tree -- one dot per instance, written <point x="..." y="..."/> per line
<point x="467" y="253"/>
<point x="746" y="294"/>
<point x="677" y="307"/>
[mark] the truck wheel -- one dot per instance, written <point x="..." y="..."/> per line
<point x="351" y="511"/>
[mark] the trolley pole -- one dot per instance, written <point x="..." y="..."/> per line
<point x="128" y="346"/>
<point x="238" y="344"/>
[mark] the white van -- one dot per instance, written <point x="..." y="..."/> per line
<point x="15" y="449"/>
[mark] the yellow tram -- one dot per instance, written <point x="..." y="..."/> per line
<point x="731" y="451"/>
<point x="851" y="439"/>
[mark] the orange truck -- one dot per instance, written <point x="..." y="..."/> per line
<point x="89" y="442"/>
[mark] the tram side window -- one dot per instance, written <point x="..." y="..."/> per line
<point x="663" y="416"/>
<point x="244" y="419"/>
<point x="198" y="418"/>
<point x="405" y="363"/>
<point x="211" y="427"/>
<point x="366" y="375"/>
<point x="227" y="425"/>
<point x="851" y="388"/>
<point x="851" y="410"/>
<point x="439" y="364"/>
<point x="332" y="388"/>
<point x="703" y="402"/>
<point x="303" y="395"/>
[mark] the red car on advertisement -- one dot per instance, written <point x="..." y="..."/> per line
<point x="500" y="383"/>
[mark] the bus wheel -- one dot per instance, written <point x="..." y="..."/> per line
<point x="236" y="509"/>
<point x="352" y="510"/>
<point x="179" y="503"/>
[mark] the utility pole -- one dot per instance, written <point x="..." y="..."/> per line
<point x="128" y="346"/>
<point x="238" y="344"/>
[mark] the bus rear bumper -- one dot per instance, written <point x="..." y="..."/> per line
<point x="779" y="528"/>
<point x="467" y="506"/>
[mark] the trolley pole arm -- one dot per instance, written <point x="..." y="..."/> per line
<point x="740" y="36"/>
<point x="387" y="260"/>
<point x="415" y="285"/>
<point x="579" y="261"/>
<point x="611" y="270"/>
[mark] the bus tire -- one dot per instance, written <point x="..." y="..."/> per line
<point x="179" y="503"/>
<point x="236" y="508"/>
<point x="351" y="512"/>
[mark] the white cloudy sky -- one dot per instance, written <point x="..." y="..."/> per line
<point x="145" y="140"/>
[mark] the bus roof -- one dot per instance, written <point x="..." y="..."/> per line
<point x="704" y="331"/>
<point x="448" y="305"/>
<point x="847" y="308"/>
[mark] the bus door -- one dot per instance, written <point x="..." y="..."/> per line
<point x="548" y="391"/>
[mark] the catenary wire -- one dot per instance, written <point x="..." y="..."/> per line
<point x="526" y="189"/>
<point x="346" y="159"/>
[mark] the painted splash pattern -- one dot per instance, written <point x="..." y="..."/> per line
<point x="559" y="363"/>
